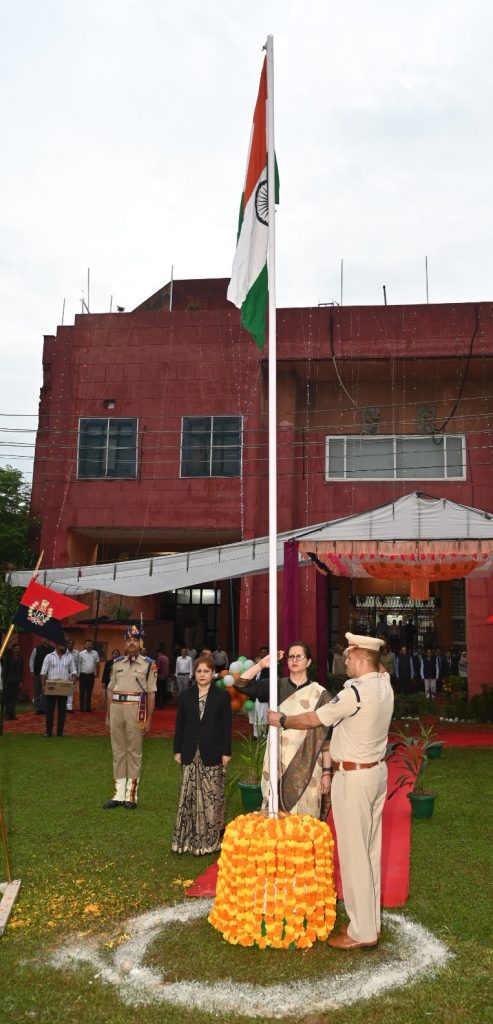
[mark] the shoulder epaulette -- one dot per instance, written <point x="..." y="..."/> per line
<point x="121" y="657"/>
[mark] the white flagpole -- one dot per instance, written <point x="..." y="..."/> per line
<point x="271" y="150"/>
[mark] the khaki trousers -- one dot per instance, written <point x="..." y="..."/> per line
<point x="358" y="799"/>
<point x="126" y="740"/>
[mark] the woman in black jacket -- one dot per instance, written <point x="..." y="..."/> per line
<point x="202" y="746"/>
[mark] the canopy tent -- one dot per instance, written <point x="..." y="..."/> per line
<point x="416" y="537"/>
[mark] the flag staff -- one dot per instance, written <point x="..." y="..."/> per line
<point x="272" y="393"/>
<point x="12" y="627"/>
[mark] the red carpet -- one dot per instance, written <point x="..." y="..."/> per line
<point x="396" y="851"/>
<point x="396" y="846"/>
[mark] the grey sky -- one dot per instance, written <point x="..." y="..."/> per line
<point x="125" y="125"/>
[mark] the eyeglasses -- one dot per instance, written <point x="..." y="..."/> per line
<point x="296" y="657"/>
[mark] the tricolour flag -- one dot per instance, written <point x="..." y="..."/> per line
<point x="41" y="609"/>
<point x="249" y="288"/>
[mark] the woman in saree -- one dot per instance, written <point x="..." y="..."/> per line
<point x="302" y="756"/>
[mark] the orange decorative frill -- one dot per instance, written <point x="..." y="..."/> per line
<point x="275" y="885"/>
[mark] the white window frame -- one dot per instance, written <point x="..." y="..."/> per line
<point x="86" y="419"/>
<point x="394" y="437"/>
<point x="209" y="475"/>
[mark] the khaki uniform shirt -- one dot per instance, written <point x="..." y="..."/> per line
<point x="130" y="676"/>
<point x="360" y="737"/>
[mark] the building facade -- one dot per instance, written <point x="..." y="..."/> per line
<point x="153" y="438"/>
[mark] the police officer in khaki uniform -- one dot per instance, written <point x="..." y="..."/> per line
<point x="361" y="715"/>
<point x="130" y="704"/>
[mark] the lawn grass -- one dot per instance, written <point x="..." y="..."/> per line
<point x="85" y="871"/>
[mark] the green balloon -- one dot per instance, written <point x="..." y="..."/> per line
<point x="249" y="705"/>
<point x="220" y="684"/>
<point x="243" y="657"/>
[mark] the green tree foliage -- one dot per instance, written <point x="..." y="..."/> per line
<point x="14" y="536"/>
<point x="14" y="518"/>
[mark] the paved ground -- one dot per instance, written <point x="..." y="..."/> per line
<point x="80" y="723"/>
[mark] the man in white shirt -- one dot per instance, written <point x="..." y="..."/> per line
<point x="220" y="658"/>
<point x="59" y="665"/>
<point x="360" y="715"/>
<point x="75" y="654"/>
<point x="184" y="670"/>
<point x="88" y="673"/>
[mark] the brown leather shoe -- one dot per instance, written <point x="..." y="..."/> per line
<point x="344" y="927"/>
<point x="344" y="941"/>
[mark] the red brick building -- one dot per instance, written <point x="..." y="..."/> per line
<point x="153" y="438"/>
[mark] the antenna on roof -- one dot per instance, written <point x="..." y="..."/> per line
<point x="384" y="295"/>
<point x="63" y="311"/>
<point x="111" y="303"/>
<point x="171" y="290"/>
<point x="88" y="287"/>
<point x="342" y="281"/>
<point x="426" y="276"/>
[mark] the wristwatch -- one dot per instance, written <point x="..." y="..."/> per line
<point x="282" y="721"/>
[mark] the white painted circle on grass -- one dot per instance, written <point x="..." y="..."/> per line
<point x="413" y="952"/>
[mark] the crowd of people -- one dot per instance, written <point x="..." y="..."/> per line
<point x="324" y="744"/>
<point x="418" y="669"/>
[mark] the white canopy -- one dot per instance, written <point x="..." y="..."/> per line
<point x="415" y="517"/>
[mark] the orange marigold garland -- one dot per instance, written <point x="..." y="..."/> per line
<point x="275" y="885"/>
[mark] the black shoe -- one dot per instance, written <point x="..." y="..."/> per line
<point x="47" y="735"/>
<point x="110" y="804"/>
<point x="130" y="805"/>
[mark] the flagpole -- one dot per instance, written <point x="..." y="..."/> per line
<point x="12" y="627"/>
<point x="271" y="190"/>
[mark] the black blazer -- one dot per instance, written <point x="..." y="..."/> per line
<point x="212" y="734"/>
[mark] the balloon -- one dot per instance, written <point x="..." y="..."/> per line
<point x="248" y="664"/>
<point x="220" y="684"/>
<point x="243" y="657"/>
<point x="235" y="705"/>
<point x="228" y="680"/>
<point x="236" y="666"/>
<point x="249" y="705"/>
<point x="224" y="673"/>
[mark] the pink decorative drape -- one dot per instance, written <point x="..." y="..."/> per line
<point x="322" y="584"/>
<point x="291" y="593"/>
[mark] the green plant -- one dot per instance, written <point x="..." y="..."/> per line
<point x="410" y="753"/>
<point x="251" y="752"/>
<point x="481" y="704"/>
<point x="455" y="686"/>
<point x="120" y="612"/>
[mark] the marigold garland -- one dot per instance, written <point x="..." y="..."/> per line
<point x="275" y="885"/>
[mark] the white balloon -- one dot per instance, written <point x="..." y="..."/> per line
<point x="236" y="666"/>
<point x="248" y="664"/>
<point x="228" y="680"/>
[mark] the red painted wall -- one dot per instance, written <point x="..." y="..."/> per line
<point x="160" y="365"/>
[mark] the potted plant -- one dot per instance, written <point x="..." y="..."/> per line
<point x="412" y="753"/>
<point x="251" y="751"/>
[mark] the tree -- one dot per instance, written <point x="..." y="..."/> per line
<point x="14" y="537"/>
<point x="14" y="519"/>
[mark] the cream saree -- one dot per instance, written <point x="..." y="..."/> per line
<point x="300" y="753"/>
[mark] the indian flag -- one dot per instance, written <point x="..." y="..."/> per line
<point x="248" y="288"/>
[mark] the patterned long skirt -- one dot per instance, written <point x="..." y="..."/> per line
<point x="200" y="817"/>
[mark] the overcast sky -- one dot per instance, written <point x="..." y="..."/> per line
<point x="124" y="130"/>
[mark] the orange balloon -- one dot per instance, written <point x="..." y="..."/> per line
<point x="236" y="705"/>
<point x="225" y="672"/>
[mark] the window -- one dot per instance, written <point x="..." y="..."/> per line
<point x="409" y="457"/>
<point x="211" y="446"/>
<point x="107" y="449"/>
